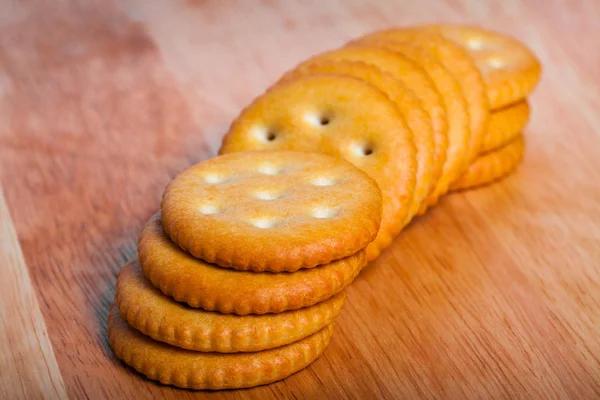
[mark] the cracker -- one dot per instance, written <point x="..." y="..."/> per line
<point x="510" y="69"/>
<point x="149" y="311"/>
<point x="505" y="125"/>
<point x="212" y="288"/>
<point x="458" y="62"/>
<point x="196" y="370"/>
<point x="456" y="112"/>
<point x="412" y="77"/>
<point x="409" y="105"/>
<point x="342" y="116"/>
<point x="272" y="211"/>
<point x="492" y="166"/>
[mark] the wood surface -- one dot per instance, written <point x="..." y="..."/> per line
<point x="494" y="294"/>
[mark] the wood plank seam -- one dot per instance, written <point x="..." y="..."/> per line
<point x="28" y="365"/>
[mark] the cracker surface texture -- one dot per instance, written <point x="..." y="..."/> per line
<point x="273" y="210"/>
<point x="340" y="116"/>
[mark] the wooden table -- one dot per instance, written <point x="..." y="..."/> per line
<point x="495" y="293"/>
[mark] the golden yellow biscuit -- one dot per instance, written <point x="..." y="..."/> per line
<point x="196" y="370"/>
<point x="492" y="166"/>
<point x="510" y="69"/>
<point x="505" y="125"/>
<point x="149" y="311"/>
<point x="410" y="107"/>
<point x="340" y="116"/>
<point x="456" y="111"/>
<point x="207" y="286"/>
<point x="457" y="61"/>
<point x="272" y="210"/>
<point x="413" y="77"/>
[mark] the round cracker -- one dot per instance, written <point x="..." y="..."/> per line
<point x="456" y="112"/>
<point x="409" y="105"/>
<point x="149" y="311"/>
<point x="273" y="210"/>
<point x="458" y="62"/>
<point x="341" y="116"/>
<point x="196" y="370"/>
<point x="212" y="288"/>
<point x="510" y="69"/>
<point x="505" y="125"/>
<point x="412" y="77"/>
<point x="492" y="166"/>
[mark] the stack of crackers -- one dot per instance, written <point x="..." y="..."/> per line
<point x="242" y="273"/>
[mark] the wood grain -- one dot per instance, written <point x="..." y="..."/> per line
<point x="495" y="293"/>
<point x="29" y="368"/>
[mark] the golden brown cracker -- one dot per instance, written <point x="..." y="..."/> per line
<point x="456" y="111"/>
<point x="340" y="116"/>
<point x="412" y="77"/>
<point x="149" y="311"/>
<point x="409" y="105"/>
<point x="196" y="370"/>
<point x="458" y="62"/>
<point x="510" y="70"/>
<point x="272" y="210"/>
<point x="212" y="288"/>
<point x="505" y="125"/>
<point x="492" y="166"/>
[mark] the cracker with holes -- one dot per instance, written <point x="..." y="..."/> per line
<point x="409" y="106"/>
<point x="212" y="288"/>
<point x="454" y="103"/>
<point x="340" y="116"/>
<point x="197" y="370"/>
<point x="492" y="166"/>
<point x="149" y="311"/>
<point x="510" y="69"/>
<point x="413" y="78"/>
<point x="457" y="61"/>
<point x="272" y="211"/>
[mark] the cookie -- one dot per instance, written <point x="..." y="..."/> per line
<point x="412" y="77"/>
<point x="149" y="311"/>
<point x="457" y="61"/>
<point x="492" y="166"/>
<point x="272" y="211"/>
<point x="410" y="107"/>
<point x="196" y="370"/>
<point x="505" y="125"/>
<point x="340" y="116"/>
<point x="212" y="288"/>
<point x="456" y="112"/>
<point x="510" y="69"/>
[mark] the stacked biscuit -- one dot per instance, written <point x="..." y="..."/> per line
<point x="242" y="273"/>
<point x="260" y="243"/>
<point x="422" y="110"/>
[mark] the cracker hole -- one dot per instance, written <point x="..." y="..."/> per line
<point x="264" y="223"/>
<point x="323" y="181"/>
<point x="214" y="178"/>
<point x="267" y="195"/>
<point x="362" y="150"/>
<point x="265" y="134"/>
<point x="209" y="209"/>
<point x="317" y="120"/>
<point x="475" y="44"/>
<point x="269" y="169"/>
<point x="497" y="62"/>
<point x="325" y="212"/>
